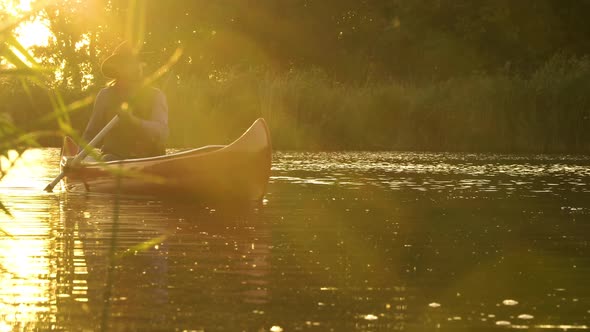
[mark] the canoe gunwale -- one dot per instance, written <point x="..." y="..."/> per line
<point x="135" y="161"/>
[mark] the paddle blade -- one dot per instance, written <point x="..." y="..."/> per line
<point x="53" y="183"/>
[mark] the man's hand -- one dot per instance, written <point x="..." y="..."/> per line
<point x="69" y="162"/>
<point x="125" y="115"/>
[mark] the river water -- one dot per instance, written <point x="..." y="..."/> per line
<point x="353" y="241"/>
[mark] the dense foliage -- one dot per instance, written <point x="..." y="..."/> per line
<point x="386" y="74"/>
<point x="350" y="39"/>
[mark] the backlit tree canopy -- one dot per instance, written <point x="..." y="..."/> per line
<point x="350" y="39"/>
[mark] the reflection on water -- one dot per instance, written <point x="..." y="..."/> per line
<point x="344" y="241"/>
<point x="26" y="291"/>
<point x="438" y="172"/>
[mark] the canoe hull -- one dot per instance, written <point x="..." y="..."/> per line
<point x="238" y="171"/>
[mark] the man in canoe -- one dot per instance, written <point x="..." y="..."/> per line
<point x="142" y="128"/>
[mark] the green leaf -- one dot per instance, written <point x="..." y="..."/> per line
<point x="142" y="246"/>
<point x="25" y="72"/>
<point x="7" y="212"/>
<point x="19" y="47"/>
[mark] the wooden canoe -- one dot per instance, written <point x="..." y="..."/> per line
<point x="238" y="171"/>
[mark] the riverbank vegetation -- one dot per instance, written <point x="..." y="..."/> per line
<point x="452" y="75"/>
<point x="549" y="111"/>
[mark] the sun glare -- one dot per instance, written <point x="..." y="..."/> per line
<point x="33" y="32"/>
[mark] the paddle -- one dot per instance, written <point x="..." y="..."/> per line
<point x="82" y="154"/>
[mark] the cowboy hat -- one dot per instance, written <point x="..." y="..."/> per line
<point x="119" y="64"/>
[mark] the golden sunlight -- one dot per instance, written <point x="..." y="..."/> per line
<point x="25" y="291"/>
<point x="35" y="33"/>
<point x="15" y="7"/>
<point x="21" y="167"/>
<point x="32" y="32"/>
<point x="30" y="284"/>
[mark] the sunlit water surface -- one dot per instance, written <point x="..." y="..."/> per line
<point x="342" y="242"/>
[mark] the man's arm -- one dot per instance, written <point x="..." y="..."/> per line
<point x="97" y="121"/>
<point x="156" y="127"/>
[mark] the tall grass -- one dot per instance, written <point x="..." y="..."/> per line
<point x="546" y="112"/>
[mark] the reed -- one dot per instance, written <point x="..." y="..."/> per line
<point x="546" y="112"/>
